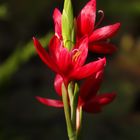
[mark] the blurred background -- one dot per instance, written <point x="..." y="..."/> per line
<point x="23" y="75"/>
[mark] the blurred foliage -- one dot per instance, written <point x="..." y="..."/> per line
<point x="3" y="11"/>
<point x="22" y="75"/>
<point x="125" y="7"/>
<point x="20" y="55"/>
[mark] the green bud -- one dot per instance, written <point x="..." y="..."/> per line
<point x="68" y="31"/>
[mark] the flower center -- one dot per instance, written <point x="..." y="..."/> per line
<point x="75" y="54"/>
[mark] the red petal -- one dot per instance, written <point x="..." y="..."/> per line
<point x="89" y="69"/>
<point x="86" y="19"/>
<point x="55" y="47"/>
<point x="95" y="104"/>
<point x="104" y="32"/>
<point x="64" y="62"/>
<point x="91" y="86"/>
<point x="50" y="102"/>
<point x="83" y="50"/>
<point x="104" y="99"/>
<point x="44" y="55"/>
<point x="57" y="22"/>
<point x="58" y="84"/>
<point x="104" y="48"/>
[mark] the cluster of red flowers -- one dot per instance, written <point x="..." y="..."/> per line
<point x="69" y="65"/>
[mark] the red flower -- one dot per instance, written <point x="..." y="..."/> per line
<point x="69" y="64"/>
<point x="86" y="26"/>
<point x="90" y="101"/>
<point x="97" y="37"/>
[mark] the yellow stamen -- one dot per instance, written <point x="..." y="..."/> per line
<point x="76" y="55"/>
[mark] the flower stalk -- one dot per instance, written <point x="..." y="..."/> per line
<point x="67" y="54"/>
<point x="67" y="112"/>
<point x="70" y="121"/>
<point x="78" y="121"/>
<point x="74" y="106"/>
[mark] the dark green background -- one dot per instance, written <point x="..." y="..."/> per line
<point x="23" y="75"/>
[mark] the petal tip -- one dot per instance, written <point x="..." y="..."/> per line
<point x="50" y="102"/>
<point x="56" y="14"/>
<point x="56" y="11"/>
<point x="117" y="26"/>
<point x="103" y="60"/>
<point x="34" y="39"/>
<point x="38" y="98"/>
<point x="107" y="98"/>
<point x="36" y="42"/>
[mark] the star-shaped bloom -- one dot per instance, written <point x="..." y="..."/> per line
<point x="89" y="98"/>
<point x="69" y="64"/>
<point x="85" y="25"/>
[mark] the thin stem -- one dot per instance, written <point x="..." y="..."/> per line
<point x="73" y="138"/>
<point x="78" y="121"/>
<point x="71" y="132"/>
<point x="73" y="116"/>
<point x="74" y="105"/>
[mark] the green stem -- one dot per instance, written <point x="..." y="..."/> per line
<point x="73" y="138"/>
<point x="71" y="132"/>
<point x="73" y="117"/>
<point x="74" y="105"/>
